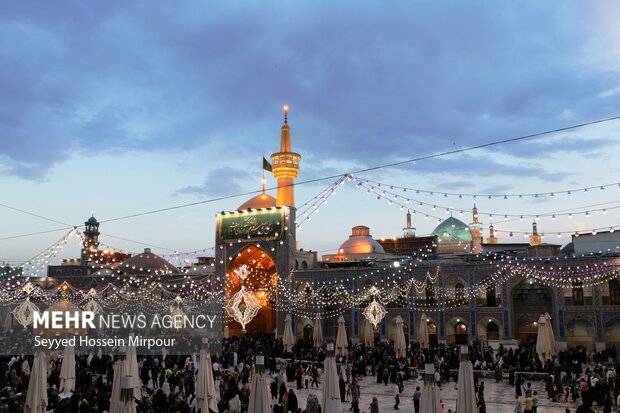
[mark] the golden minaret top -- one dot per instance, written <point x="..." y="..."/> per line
<point x="285" y="166"/>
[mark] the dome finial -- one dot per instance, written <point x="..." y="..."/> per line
<point x="285" y="108"/>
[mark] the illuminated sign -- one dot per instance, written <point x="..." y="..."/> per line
<point x="262" y="225"/>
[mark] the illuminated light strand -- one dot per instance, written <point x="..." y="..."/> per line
<point x="534" y="195"/>
<point x="314" y="207"/>
<point x="393" y="198"/>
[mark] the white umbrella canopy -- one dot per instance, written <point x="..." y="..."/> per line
<point x="259" y="396"/>
<point x="430" y="400"/>
<point x="317" y="332"/>
<point x="67" y="370"/>
<point x="134" y="372"/>
<point x="330" y="399"/>
<point x="400" y="344"/>
<point x="121" y="369"/>
<point x="466" y="394"/>
<point x="550" y="335"/>
<point x="341" y="338"/>
<point x="36" y="398"/>
<point x="205" y="384"/>
<point x="369" y="334"/>
<point x="544" y="348"/>
<point x="423" y="332"/>
<point x="288" y="339"/>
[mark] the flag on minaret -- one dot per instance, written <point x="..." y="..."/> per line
<point x="266" y="165"/>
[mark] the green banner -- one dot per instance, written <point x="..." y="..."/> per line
<point x="258" y="225"/>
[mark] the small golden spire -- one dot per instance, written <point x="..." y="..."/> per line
<point x="285" y="108"/>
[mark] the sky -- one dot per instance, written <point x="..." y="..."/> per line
<point x="117" y="108"/>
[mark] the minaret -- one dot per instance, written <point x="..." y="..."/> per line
<point x="475" y="227"/>
<point x="492" y="239"/>
<point x="535" y="239"/>
<point x="285" y="166"/>
<point x="408" y="231"/>
<point x="90" y="245"/>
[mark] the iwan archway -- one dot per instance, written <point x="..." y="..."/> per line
<point x="255" y="270"/>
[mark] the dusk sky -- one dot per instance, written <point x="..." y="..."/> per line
<point x="125" y="107"/>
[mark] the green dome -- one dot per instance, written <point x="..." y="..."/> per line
<point x="452" y="230"/>
<point x="92" y="220"/>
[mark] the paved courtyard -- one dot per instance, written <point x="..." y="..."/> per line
<point x="499" y="397"/>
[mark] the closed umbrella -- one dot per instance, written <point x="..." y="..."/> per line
<point x="369" y="334"/>
<point x="132" y="362"/>
<point x="36" y="398"/>
<point x="430" y="400"/>
<point x="423" y="332"/>
<point x="317" y="332"/>
<point x="330" y="399"/>
<point x="259" y="396"/>
<point x="400" y="344"/>
<point x="543" y="347"/>
<point x="121" y="369"/>
<point x="466" y="394"/>
<point x="341" y="338"/>
<point x="67" y="370"/>
<point x="550" y="335"/>
<point x="205" y="385"/>
<point x="288" y="339"/>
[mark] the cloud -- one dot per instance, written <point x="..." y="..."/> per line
<point x="386" y="85"/>
<point x="219" y="182"/>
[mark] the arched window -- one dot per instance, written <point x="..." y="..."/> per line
<point x="577" y="293"/>
<point x="296" y="264"/>
<point x="492" y="331"/>
<point x="459" y="293"/>
<point x="460" y="328"/>
<point x="614" y="292"/>
<point x="491" y="297"/>
<point x="304" y="265"/>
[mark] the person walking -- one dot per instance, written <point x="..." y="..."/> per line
<point x="482" y="406"/>
<point x="518" y="405"/>
<point x="527" y="404"/>
<point x="374" y="405"/>
<point x="396" y="396"/>
<point x="534" y="401"/>
<point x="416" y="399"/>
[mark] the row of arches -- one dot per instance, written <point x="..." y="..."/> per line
<point x="578" y="332"/>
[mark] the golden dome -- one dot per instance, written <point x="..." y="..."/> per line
<point x="259" y="201"/>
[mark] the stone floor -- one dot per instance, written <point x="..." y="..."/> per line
<point x="499" y="397"/>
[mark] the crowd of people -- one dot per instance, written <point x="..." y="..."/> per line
<point x="576" y="376"/>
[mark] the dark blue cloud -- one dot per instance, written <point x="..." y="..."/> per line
<point x="366" y="83"/>
<point x="219" y="181"/>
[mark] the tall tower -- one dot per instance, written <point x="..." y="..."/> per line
<point x="475" y="227"/>
<point x="535" y="239"/>
<point x="492" y="238"/>
<point x="285" y="166"/>
<point x="409" y="231"/>
<point x="90" y="244"/>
